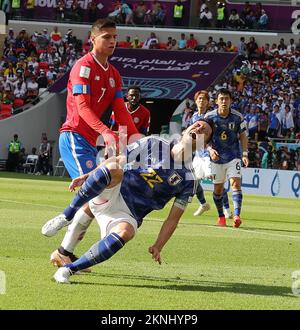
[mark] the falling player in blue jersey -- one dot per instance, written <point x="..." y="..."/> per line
<point x="124" y="189"/>
<point x="229" y="132"/>
<point x="201" y="161"/>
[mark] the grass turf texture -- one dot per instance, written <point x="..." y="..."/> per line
<point x="204" y="266"/>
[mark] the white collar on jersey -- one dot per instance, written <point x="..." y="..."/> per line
<point x="105" y="69"/>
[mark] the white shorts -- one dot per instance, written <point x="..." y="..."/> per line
<point x="223" y="172"/>
<point x="109" y="209"/>
<point x="202" y="167"/>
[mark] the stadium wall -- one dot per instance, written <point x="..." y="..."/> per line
<point x="45" y="117"/>
<point x="80" y="31"/>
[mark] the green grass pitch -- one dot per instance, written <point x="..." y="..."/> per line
<point x="204" y="266"/>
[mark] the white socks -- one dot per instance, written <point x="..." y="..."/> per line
<point x="76" y="230"/>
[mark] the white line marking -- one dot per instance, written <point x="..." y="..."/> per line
<point x="248" y="231"/>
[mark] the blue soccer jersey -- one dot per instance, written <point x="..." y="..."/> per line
<point x="152" y="179"/>
<point x="226" y="134"/>
<point x="202" y="152"/>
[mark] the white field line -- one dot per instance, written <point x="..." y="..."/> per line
<point x="160" y="220"/>
<point x="248" y="231"/>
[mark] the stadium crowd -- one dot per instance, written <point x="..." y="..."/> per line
<point x="264" y="80"/>
<point x="210" y="14"/>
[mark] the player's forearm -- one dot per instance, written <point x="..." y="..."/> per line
<point x="244" y="142"/>
<point x="86" y="113"/>
<point x="165" y="233"/>
<point x="168" y="227"/>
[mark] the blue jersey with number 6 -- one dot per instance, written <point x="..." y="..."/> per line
<point x="226" y="134"/>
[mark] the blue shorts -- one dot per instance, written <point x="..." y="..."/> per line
<point x="78" y="155"/>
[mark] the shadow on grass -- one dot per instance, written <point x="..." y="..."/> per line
<point x="193" y="285"/>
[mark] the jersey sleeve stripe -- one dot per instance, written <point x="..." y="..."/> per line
<point x="81" y="89"/>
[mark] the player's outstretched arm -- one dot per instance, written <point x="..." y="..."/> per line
<point x="166" y="232"/>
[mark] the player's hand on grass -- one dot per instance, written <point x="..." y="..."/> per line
<point x="155" y="253"/>
<point x="77" y="182"/>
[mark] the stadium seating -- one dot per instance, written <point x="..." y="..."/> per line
<point x="5" y="111"/>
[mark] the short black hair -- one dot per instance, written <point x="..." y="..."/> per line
<point x="134" y="87"/>
<point x="224" y="91"/>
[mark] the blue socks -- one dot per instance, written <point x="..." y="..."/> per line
<point x="218" y="199"/>
<point x="225" y="200"/>
<point x="237" y="198"/>
<point x="99" y="252"/>
<point x="92" y="187"/>
<point x="200" y="194"/>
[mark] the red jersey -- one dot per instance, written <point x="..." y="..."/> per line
<point x="140" y="116"/>
<point x="92" y="89"/>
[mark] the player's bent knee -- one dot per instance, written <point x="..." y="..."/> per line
<point x="125" y="230"/>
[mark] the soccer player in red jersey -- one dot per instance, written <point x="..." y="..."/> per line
<point x="94" y="87"/>
<point x="139" y="113"/>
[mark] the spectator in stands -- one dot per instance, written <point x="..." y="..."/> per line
<point x="32" y="88"/>
<point x="221" y="19"/>
<point x="182" y="42"/>
<point x="6" y="8"/>
<point x="246" y="10"/>
<point x="192" y="43"/>
<point x="263" y="20"/>
<point x="127" y="13"/>
<point x="206" y="18"/>
<point x="210" y="46"/>
<point x="268" y="157"/>
<point x="136" y="43"/>
<point x="287" y="121"/>
<point x="229" y="47"/>
<point x="13" y="157"/>
<point x="10" y="40"/>
<point x="75" y="11"/>
<point x="60" y="10"/>
<point x="43" y="164"/>
<point x="178" y="13"/>
<point x="234" y="20"/>
<point x="253" y="155"/>
<point x="139" y="13"/>
<point x="160" y="16"/>
<point x="92" y="11"/>
<point x="172" y="45"/>
<point x="274" y="123"/>
<point x="291" y="46"/>
<point x="263" y="123"/>
<point x="250" y="20"/>
<point x="252" y="48"/>
<point x="151" y="42"/>
<point x="42" y="80"/>
<point x="242" y="49"/>
<point x="19" y="91"/>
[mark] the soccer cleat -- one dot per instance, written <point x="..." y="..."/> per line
<point x="237" y="221"/>
<point x="59" y="260"/>
<point x="62" y="275"/>
<point x="51" y="227"/>
<point x="222" y="221"/>
<point x="202" y="208"/>
<point x="227" y="213"/>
